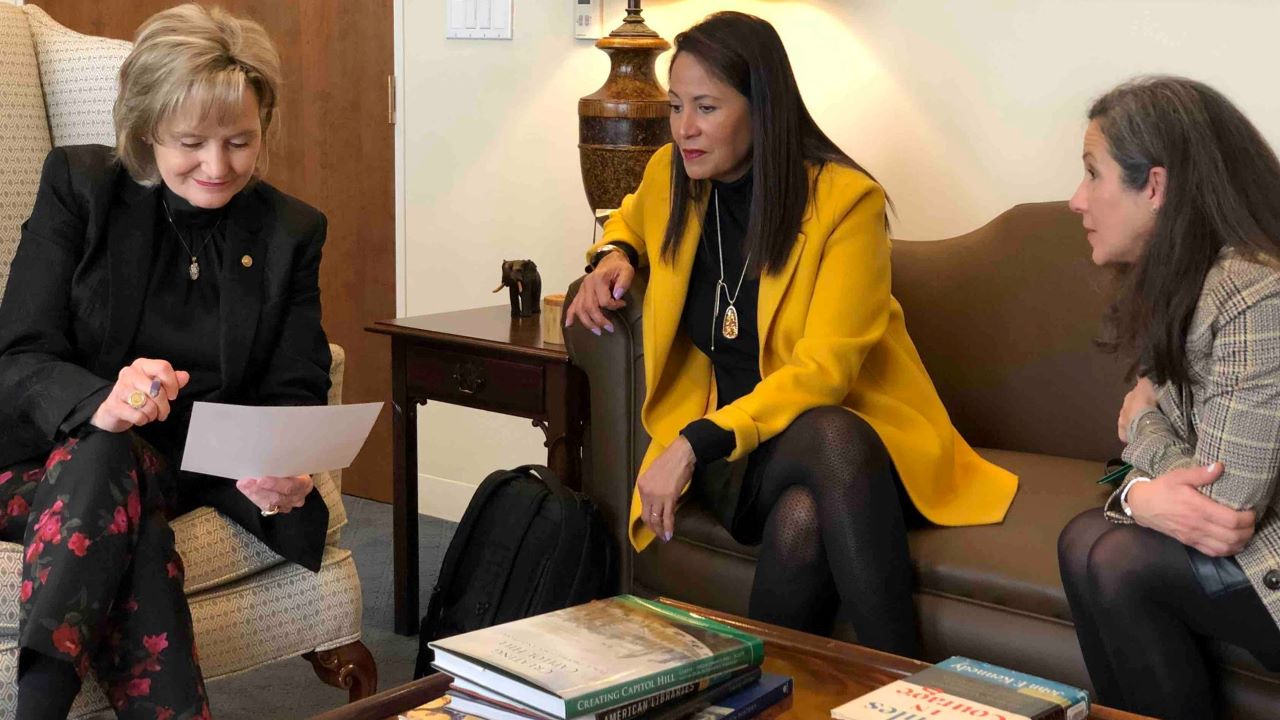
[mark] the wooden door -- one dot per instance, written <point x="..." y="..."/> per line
<point x="335" y="150"/>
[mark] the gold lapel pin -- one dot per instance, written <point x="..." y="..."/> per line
<point x="246" y="261"/>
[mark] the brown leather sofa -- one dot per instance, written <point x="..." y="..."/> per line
<point x="1005" y="318"/>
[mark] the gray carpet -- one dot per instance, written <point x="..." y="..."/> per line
<point x="290" y="689"/>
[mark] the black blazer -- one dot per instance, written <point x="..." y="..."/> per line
<point x="76" y="293"/>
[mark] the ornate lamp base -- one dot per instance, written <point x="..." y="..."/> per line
<point x="625" y="121"/>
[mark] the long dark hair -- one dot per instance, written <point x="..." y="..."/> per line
<point x="746" y="53"/>
<point x="1222" y="190"/>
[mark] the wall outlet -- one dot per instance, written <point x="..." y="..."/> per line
<point x="588" y="19"/>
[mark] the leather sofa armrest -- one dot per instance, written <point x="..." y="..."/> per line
<point x="616" y="441"/>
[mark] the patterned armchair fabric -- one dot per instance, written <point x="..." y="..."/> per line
<point x="79" y="75"/>
<point x="24" y="130"/>
<point x="250" y="607"/>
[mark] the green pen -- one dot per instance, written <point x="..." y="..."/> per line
<point x="1116" y="475"/>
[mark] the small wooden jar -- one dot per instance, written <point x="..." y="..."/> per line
<point x="553" y="319"/>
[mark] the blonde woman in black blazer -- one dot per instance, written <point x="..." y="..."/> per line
<point x="150" y="276"/>
<point x="1183" y="194"/>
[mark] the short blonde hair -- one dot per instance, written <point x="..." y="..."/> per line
<point x="192" y="53"/>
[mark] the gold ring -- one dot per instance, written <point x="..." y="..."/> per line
<point x="137" y="399"/>
<point x="272" y="511"/>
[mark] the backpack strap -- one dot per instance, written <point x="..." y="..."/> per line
<point x="572" y="548"/>
<point x="520" y="510"/>
<point x="542" y="472"/>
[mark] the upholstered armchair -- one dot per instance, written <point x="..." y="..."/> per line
<point x="250" y="607"/>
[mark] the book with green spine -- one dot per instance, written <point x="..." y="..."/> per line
<point x="596" y="656"/>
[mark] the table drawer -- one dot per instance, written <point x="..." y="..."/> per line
<point x="486" y="383"/>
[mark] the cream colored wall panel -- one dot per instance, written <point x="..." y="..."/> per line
<point x="459" y="446"/>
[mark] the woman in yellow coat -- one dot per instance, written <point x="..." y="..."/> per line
<point x="782" y="387"/>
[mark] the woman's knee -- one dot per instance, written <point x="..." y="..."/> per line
<point x="98" y="448"/>
<point x="793" y="526"/>
<point x="832" y="423"/>
<point x="1118" y="568"/>
<point x="110" y="462"/>
<point x="1076" y="540"/>
<point x="836" y="436"/>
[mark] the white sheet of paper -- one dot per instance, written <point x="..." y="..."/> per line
<point x="238" y="441"/>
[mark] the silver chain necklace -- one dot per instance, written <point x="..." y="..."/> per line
<point x="729" y="327"/>
<point x="194" y="269"/>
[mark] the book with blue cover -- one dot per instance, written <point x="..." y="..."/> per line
<point x="770" y="691"/>
<point x="1065" y="695"/>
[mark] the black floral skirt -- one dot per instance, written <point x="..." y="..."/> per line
<point x="101" y="580"/>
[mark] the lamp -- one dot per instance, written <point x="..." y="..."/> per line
<point x="625" y="121"/>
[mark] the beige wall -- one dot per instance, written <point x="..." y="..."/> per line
<point x="960" y="108"/>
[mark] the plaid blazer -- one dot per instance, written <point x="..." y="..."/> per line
<point x="1229" y="412"/>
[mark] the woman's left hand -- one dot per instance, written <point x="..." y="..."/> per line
<point x="1142" y="397"/>
<point x="280" y="494"/>
<point x="661" y="484"/>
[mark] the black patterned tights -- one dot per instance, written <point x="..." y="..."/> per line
<point x="828" y="508"/>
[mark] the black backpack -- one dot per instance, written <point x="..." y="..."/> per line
<point x="526" y="545"/>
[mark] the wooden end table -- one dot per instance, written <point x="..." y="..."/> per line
<point x="484" y="359"/>
<point x="827" y="673"/>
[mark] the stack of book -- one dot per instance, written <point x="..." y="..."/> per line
<point x="962" y="688"/>
<point x="615" y="659"/>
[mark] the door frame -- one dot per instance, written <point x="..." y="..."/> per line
<point x="397" y="31"/>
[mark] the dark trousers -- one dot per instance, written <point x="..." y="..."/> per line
<point x="101" y="581"/>
<point x="823" y="501"/>
<point x="1143" y="617"/>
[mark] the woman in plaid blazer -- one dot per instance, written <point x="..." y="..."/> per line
<point x="1182" y="193"/>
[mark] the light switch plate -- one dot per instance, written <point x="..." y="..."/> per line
<point x="588" y="19"/>
<point x="479" y="19"/>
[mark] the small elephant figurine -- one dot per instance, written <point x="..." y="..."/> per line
<point x="522" y="280"/>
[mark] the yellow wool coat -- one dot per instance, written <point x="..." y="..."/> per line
<point x="830" y="334"/>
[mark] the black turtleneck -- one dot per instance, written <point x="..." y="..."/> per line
<point x="180" y="317"/>
<point x="736" y="362"/>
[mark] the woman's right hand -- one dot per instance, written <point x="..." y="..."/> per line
<point x="115" y="414"/>
<point x="601" y="290"/>
<point x="1171" y="504"/>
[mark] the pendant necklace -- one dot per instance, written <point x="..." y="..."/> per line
<point x="194" y="269"/>
<point x="729" y="327"/>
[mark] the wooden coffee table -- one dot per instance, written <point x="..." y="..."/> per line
<point x="827" y="673"/>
